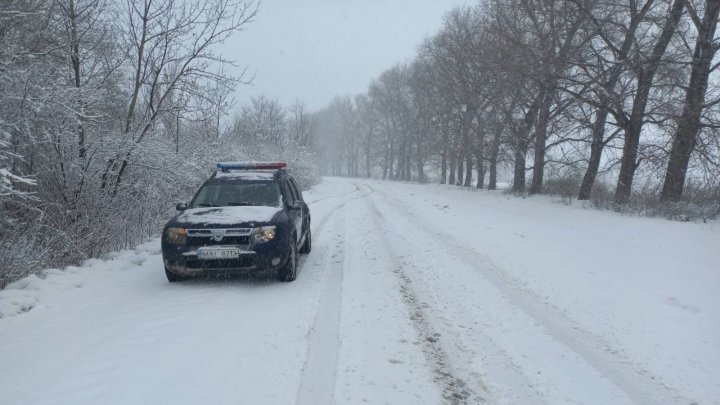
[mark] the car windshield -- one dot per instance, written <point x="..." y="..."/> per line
<point x="228" y="194"/>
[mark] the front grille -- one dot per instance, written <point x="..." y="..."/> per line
<point x="231" y="236"/>
<point x="228" y="240"/>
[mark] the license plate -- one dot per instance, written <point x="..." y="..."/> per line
<point x="218" y="253"/>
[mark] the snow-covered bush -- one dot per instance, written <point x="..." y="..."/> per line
<point x="566" y="187"/>
<point x="697" y="204"/>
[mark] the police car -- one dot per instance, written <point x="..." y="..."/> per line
<point x="248" y="216"/>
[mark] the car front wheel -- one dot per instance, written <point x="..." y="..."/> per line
<point x="289" y="271"/>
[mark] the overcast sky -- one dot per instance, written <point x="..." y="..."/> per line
<point x="316" y="49"/>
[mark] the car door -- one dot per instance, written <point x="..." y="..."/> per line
<point x="305" y="211"/>
<point x="293" y="208"/>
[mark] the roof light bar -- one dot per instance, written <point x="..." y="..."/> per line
<point x="226" y="166"/>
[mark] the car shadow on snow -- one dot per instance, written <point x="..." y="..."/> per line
<point x="252" y="278"/>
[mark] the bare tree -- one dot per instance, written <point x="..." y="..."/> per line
<point x="689" y="121"/>
<point x="302" y="125"/>
<point x="170" y="34"/>
<point x="645" y="69"/>
<point x="555" y="26"/>
<point x="616" y="28"/>
<point x="521" y="97"/>
<point x="262" y="122"/>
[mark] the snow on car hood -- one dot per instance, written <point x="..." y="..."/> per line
<point x="228" y="215"/>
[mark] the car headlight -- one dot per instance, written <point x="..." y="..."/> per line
<point x="263" y="234"/>
<point x="177" y="235"/>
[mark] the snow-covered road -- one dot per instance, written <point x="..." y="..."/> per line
<point x="412" y="295"/>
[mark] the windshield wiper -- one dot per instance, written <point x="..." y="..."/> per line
<point x="207" y="205"/>
<point x="240" y="203"/>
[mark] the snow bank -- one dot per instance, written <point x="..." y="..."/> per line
<point x="28" y="293"/>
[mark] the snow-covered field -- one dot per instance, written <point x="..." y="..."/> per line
<point x="412" y="295"/>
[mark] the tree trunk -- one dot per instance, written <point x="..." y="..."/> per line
<point x="443" y="168"/>
<point x="391" y="162"/>
<point x="407" y="167"/>
<point x="689" y="122"/>
<point x="445" y="150"/>
<point x="177" y="133"/>
<point x="398" y="168"/>
<point x="521" y="145"/>
<point x="460" y="171"/>
<point x="468" y="169"/>
<point x="494" y="153"/>
<point x="596" y="149"/>
<point x="480" y="167"/>
<point x="519" y="168"/>
<point x="541" y="140"/>
<point x="385" y="163"/>
<point x="421" y="172"/>
<point x="75" y="61"/>
<point x="479" y="156"/>
<point x="121" y="172"/>
<point x="466" y="148"/>
<point x="629" y="162"/>
<point x="367" y="160"/>
<point x="451" y="179"/>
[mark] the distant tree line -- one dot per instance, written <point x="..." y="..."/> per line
<point x="552" y="88"/>
<point x="110" y="111"/>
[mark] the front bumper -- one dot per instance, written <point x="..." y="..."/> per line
<point x="183" y="260"/>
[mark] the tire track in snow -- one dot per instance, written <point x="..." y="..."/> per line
<point x="318" y="226"/>
<point x="321" y="223"/>
<point x="516" y="388"/>
<point x="319" y="372"/>
<point x="330" y="197"/>
<point x="637" y="383"/>
<point x="454" y="389"/>
<point x="317" y="384"/>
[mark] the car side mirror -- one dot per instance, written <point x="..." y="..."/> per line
<point x="182" y="206"/>
<point x="294" y="205"/>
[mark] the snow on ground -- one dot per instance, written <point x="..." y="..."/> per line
<point x="412" y="295"/>
<point x="636" y="298"/>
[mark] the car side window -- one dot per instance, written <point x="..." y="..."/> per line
<point x="287" y="192"/>
<point x="296" y="190"/>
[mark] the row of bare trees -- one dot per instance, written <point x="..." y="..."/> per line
<point x="110" y="111"/>
<point x="619" y="90"/>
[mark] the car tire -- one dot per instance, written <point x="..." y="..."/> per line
<point x="288" y="272"/>
<point x="307" y="246"/>
<point x="172" y="277"/>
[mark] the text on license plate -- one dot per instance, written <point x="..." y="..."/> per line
<point x="218" y="253"/>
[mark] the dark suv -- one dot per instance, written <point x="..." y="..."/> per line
<point x="246" y="217"/>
